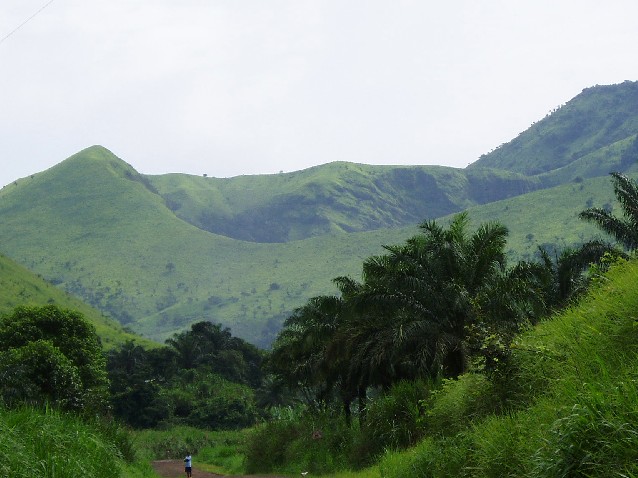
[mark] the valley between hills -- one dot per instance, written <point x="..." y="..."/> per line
<point x="153" y="254"/>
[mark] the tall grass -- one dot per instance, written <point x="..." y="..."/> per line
<point x="49" y="444"/>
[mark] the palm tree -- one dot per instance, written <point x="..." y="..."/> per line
<point x="300" y="350"/>
<point x="420" y="298"/>
<point x="624" y="230"/>
<point x="563" y="277"/>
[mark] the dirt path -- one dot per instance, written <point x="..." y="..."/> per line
<point x="175" y="469"/>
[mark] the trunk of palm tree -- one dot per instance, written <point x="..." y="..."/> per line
<point x="362" y="396"/>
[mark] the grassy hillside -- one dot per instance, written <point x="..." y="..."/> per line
<point x="19" y="286"/>
<point x="336" y="197"/>
<point x="93" y="227"/>
<point x="158" y="253"/>
<point x="99" y="230"/>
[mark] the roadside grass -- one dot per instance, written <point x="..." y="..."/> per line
<point x="49" y="444"/>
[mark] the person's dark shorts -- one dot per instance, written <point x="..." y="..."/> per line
<point x="188" y="469"/>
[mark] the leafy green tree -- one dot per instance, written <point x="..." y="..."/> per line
<point x="38" y="372"/>
<point x="204" y="399"/>
<point x="190" y="380"/>
<point x="213" y="346"/>
<point x="136" y="382"/>
<point x="300" y="351"/>
<point x="625" y="229"/>
<point x="410" y="316"/>
<point x="62" y="357"/>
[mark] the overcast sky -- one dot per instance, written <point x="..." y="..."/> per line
<point x="231" y="87"/>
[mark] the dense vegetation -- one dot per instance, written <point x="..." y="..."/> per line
<point x="471" y="373"/>
<point x="64" y="402"/>
<point x="204" y="377"/>
<point x="451" y="356"/>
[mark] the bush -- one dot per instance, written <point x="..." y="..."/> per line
<point x="52" y="355"/>
<point x="267" y="445"/>
<point x="393" y="421"/>
<point x="315" y="442"/>
<point x="459" y="402"/>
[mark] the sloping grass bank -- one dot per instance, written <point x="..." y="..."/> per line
<point x="572" y="394"/>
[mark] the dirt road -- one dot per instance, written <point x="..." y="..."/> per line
<point x="175" y="469"/>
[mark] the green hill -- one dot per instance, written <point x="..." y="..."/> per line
<point x="19" y="286"/>
<point x="158" y="253"/>
<point x="595" y="119"/>
<point x="92" y="226"/>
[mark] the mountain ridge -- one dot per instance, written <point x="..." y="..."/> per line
<point x="136" y="247"/>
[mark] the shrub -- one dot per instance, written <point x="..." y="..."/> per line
<point x="266" y="447"/>
<point x="317" y="442"/>
<point x="393" y="421"/>
<point x="459" y="402"/>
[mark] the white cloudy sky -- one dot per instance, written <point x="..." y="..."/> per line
<point x="230" y="87"/>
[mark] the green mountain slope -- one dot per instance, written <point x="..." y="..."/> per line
<point x="158" y="253"/>
<point x="336" y="197"/>
<point x="19" y="286"/>
<point x="92" y="226"/>
<point x="597" y="118"/>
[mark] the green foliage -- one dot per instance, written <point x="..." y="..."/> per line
<point x="209" y="401"/>
<point x="393" y="421"/>
<point x="414" y="315"/>
<point x="315" y="443"/>
<point x="204" y="377"/>
<point x="52" y="354"/>
<point x="39" y="372"/>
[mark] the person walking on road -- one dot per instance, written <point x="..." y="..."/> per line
<point x="188" y="465"/>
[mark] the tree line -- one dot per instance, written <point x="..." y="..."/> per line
<point x="441" y="303"/>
